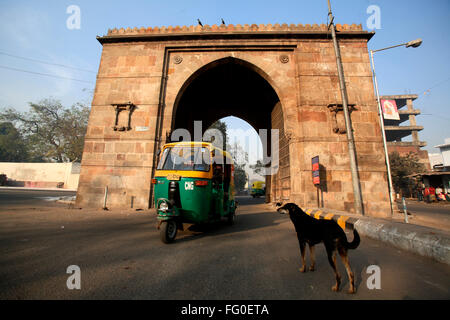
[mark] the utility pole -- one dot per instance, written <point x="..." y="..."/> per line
<point x="348" y="124"/>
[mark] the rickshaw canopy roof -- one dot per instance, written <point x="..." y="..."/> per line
<point x="192" y="173"/>
<point x="258" y="184"/>
<point x="199" y="144"/>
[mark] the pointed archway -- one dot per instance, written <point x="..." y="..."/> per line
<point x="234" y="87"/>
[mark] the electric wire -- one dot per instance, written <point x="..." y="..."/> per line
<point x="45" y="62"/>
<point x="43" y="74"/>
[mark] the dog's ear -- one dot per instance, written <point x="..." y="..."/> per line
<point x="279" y="204"/>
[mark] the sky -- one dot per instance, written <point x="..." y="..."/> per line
<point x="38" y="31"/>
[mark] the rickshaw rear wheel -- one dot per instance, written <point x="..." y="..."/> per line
<point x="168" y="231"/>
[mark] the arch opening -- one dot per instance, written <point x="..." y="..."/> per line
<point x="233" y="87"/>
<point x="227" y="87"/>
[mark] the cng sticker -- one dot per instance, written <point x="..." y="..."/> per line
<point x="189" y="185"/>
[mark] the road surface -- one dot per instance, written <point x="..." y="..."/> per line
<point x="434" y="215"/>
<point x="24" y="197"/>
<point x="120" y="256"/>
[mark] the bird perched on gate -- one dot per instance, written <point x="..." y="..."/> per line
<point x="223" y="22"/>
<point x="200" y="23"/>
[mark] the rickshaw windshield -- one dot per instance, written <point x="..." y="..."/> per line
<point x="185" y="158"/>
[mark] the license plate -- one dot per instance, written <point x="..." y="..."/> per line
<point x="173" y="177"/>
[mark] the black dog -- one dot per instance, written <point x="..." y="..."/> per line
<point x="313" y="231"/>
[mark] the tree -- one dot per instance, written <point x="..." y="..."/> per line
<point x="402" y="169"/>
<point x="222" y="127"/>
<point x="52" y="132"/>
<point x="240" y="159"/>
<point x="12" y="145"/>
<point x="240" y="178"/>
<point x="257" y="167"/>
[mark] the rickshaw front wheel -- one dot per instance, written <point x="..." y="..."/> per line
<point x="168" y="231"/>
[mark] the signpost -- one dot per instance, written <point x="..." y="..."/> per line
<point x="315" y="170"/>
<point x="316" y="176"/>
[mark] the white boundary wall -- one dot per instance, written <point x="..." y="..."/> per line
<point x="42" y="174"/>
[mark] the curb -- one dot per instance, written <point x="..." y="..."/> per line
<point x="425" y="241"/>
<point x="344" y="221"/>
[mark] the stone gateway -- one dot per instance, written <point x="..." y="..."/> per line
<point x="152" y="81"/>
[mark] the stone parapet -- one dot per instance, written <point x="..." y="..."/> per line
<point x="234" y="28"/>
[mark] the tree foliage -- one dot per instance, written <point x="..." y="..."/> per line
<point x="257" y="167"/>
<point x="402" y="169"/>
<point x="12" y="145"/>
<point x="240" y="159"/>
<point x="52" y="132"/>
<point x="222" y="127"/>
<point x="240" y="178"/>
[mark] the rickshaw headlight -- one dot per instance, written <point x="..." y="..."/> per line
<point x="163" y="206"/>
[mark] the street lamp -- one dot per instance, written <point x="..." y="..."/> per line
<point x="411" y="44"/>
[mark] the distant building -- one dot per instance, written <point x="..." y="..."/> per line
<point x="397" y="132"/>
<point x="439" y="176"/>
<point x="436" y="161"/>
<point x="445" y="154"/>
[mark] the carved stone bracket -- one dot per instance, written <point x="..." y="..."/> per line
<point x="119" y="107"/>
<point x="177" y="59"/>
<point x="338" y="117"/>
<point x="284" y="58"/>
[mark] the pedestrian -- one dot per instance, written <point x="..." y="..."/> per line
<point x="419" y="194"/>
<point x="440" y="194"/>
<point x="430" y="194"/>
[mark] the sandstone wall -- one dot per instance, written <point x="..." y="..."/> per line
<point x="152" y="72"/>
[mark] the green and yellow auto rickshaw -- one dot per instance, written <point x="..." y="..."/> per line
<point x="258" y="189"/>
<point x="193" y="183"/>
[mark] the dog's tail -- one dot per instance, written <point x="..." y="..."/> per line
<point x="356" y="240"/>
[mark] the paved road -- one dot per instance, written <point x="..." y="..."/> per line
<point x="121" y="257"/>
<point x="10" y="198"/>
<point x="435" y="215"/>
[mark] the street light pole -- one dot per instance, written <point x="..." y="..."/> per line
<point x="412" y="44"/>
<point x="348" y="125"/>
<point x="386" y="153"/>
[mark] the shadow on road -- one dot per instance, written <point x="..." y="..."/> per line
<point x="243" y="222"/>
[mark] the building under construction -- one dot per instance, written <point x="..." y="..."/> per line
<point x="402" y="135"/>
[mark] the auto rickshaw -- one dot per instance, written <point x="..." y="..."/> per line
<point x="258" y="189"/>
<point x="193" y="183"/>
